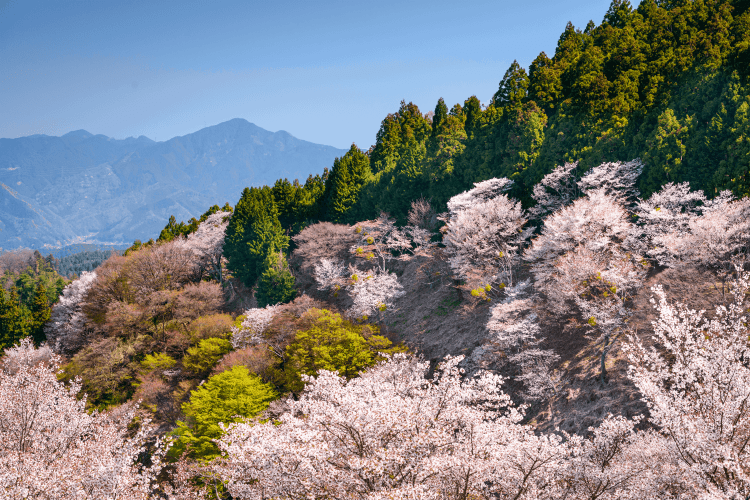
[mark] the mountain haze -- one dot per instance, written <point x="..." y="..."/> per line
<point x="91" y="188"/>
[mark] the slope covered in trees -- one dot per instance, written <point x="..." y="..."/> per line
<point x="666" y="82"/>
<point x="29" y="286"/>
<point x="492" y="302"/>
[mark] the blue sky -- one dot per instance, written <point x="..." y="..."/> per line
<point x="327" y="72"/>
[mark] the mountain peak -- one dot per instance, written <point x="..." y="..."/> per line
<point x="81" y="134"/>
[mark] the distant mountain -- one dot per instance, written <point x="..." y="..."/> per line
<point x="86" y="188"/>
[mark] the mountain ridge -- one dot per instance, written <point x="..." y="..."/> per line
<point x="91" y="188"/>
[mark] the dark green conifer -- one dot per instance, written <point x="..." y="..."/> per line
<point x="253" y="232"/>
<point x="276" y="285"/>
<point x="349" y="174"/>
<point x="513" y="87"/>
<point x="439" y="118"/>
<point x="284" y="195"/>
<point x="40" y="314"/>
<point x="473" y="111"/>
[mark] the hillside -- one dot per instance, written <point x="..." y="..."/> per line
<point x="546" y="297"/>
<point x="84" y="188"/>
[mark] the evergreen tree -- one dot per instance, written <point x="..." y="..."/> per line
<point x="276" y="285"/>
<point x="618" y="14"/>
<point x="545" y="87"/>
<point x="15" y="320"/>
<point x="513" y="87"/>
<point x="5" y="320"/>
<point x="284" y="194"/>
<point x="40" y="314"/>
<point x="439" y="118"/>
<point x="349" y="174"/>
<point x="473" y="111"/>
<point x="384" y="154"/>
<point x="253" y="232"/>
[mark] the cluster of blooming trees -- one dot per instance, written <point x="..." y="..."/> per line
<point x="394" y="431"/>
<point x="373" y="287"/>
<point x="52" y="448"/>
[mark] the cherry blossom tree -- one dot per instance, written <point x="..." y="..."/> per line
<point x="482" y="191"/>
<point x="329" y="274"/>
<point x="65" y="330"/>
<point x="391" y="433"/>
<point x="373" y="287"/>
<point x="516" y="335"/>
<point x="592" y="226"/>
<point x="381" y="240"/>
<point x="564" y="185"/>
<point x="556" y="190"/>
<point x="698" y="390"/>
<point x="370" y="290"/>
<point x="616" y="461"/>
<point x="717" y="239"/>
<point x="208" y="243"/>
<point x="256" y="322"/>
<point x="583" y="259"/>
<point x="617" y="179"/>
<point x="374" y="291"/>
<point x="484" y="233"/>
<point x="52" y="448"/>
<point x="666" y="215"/>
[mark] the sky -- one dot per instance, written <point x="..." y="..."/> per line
<point x="324" y="71"/>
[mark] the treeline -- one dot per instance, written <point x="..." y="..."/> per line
<point x="29" y="285"/>
<point x="665" y="82"/>
<point x="73" y="265"/>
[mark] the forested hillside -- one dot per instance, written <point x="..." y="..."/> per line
<point x="29" y="286"/>
<point x="543" y="298"/>
<point x="666" y="82"/>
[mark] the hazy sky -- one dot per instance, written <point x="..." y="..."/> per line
<point x="327" y="72"/>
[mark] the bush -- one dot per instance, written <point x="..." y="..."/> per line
<point x="228" y="397"/>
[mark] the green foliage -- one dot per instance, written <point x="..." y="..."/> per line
<point x="40" y="313"/>
<point x="201" y="358"/>
<point x="15" y="319"/>
<point x="276" y="285"/>
<point x="343" y="185"/>
<point x="107" y="370"/>
<point x="284" y="195"/>
<point x="26" y="297"/>
<point x="513" y="87"/>
<point x="333" y="343"/>
<point x="158" y="361"/>
<point x="230" y="396"/>
<point x="398" y="161"/>
<point x="253" y="232"/>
